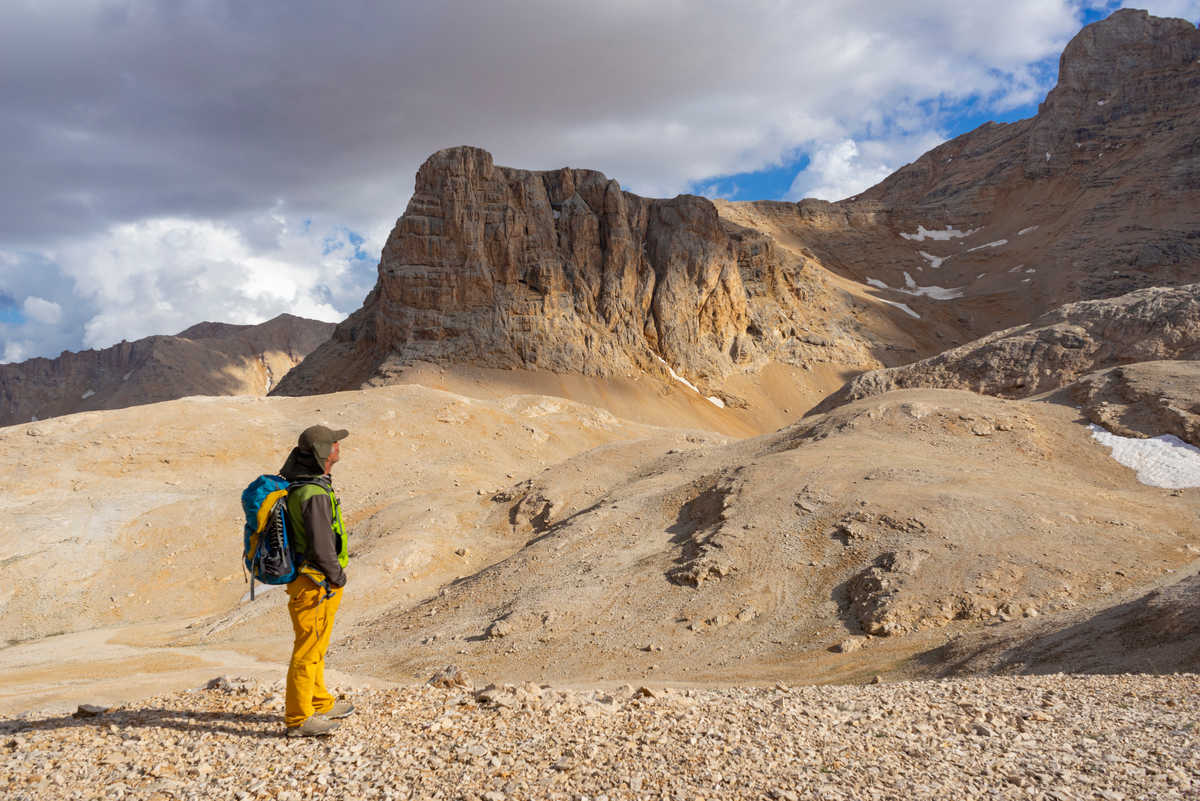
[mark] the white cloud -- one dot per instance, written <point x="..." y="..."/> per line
<point x="163" y="275"/>
<point x="845" y="168"/>
<point x="14" y="352"/>
<point x="837" y="171"/>
<point x="42" y="310"/>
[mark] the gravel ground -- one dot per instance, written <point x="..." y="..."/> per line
<point x="1032" y="737"/>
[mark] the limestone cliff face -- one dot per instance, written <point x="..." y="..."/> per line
<point x="206" y="359"/>
<point x="564" y="271"/>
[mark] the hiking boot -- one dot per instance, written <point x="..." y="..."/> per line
<point x="315" y="726"/>
<point x="340" y="709"/>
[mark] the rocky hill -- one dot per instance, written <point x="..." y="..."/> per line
<point x="1097" y="195"/>
<point x="206" y="359"/>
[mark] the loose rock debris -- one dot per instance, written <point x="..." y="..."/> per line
<point x="1037" y="737"/>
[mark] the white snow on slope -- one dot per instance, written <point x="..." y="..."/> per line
<point x="900" y="306"/>
<point x="924" y="233"/>
<point x="714" y="400"/>
<point x="1164" y="461"/>
<point x="934" y="261"/>
<point x="1024" y="231"/>
<point x="935" y="292"/>
<point x="87" y="394"/>
<point x="995" y="244"/>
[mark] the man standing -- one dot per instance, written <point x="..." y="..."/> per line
<point x="315" y="521"/>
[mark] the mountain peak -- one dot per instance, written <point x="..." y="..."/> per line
<point x="1102" y="56"/>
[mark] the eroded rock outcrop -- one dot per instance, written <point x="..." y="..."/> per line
<point x="564" y="271"/>
<point x="1143" y="400"/>
<point x="1054" y="350"/>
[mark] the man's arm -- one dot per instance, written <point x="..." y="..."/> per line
<point x="318" y="519"/>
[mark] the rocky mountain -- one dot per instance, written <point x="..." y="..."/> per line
<point x="205" y="359"/>
<point x="566" y="272"/>
<point x="1095" y="196"/>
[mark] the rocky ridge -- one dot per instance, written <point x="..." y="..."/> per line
<point x="205" y="359"/>
<point x="1054" y="350"/>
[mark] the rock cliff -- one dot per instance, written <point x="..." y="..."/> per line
<point x="564" y="271"/>
<point x="206" y="359"/>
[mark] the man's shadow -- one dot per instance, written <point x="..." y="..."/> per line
<point x="237" y="724"/>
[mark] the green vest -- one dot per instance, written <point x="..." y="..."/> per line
<point x="295" y="504"/>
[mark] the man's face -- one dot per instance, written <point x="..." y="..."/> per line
<point x="335" y="453"/>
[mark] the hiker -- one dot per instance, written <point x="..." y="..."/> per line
<point x="315" y="519"/>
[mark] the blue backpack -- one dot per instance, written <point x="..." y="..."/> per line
<point x="267" y="549"/>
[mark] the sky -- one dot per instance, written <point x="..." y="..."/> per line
<point x="167" y="162"/>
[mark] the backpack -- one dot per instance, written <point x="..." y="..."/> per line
<point x="267" y="551"/>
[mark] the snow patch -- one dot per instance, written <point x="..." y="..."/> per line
<point x="981" y="275"/>
<point x="1047" y="155"/>
<point x="934" y="261"/>
<point x="686" y="383"/>
<point x="935" y="292"/>
<point x="875" y="282"/>
<point x="1017" y="268"/>
<point x="995" y="244"/>
<point x="126" y="376"/>
<point x="1163" y="461"/>
<point x="1031" y="270"/>
<point x="1101" y="102"/>
<point x="87" y="394"/>
<point x="715" y="401"/>
<point x="1024" y="231"/>
<point x="924" y="233"/>
<point x="900" y="306"/>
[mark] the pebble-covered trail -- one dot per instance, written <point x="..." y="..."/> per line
<point x="1034" y="737"/>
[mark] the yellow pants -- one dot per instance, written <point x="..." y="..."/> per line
<point x="312" y="620"/>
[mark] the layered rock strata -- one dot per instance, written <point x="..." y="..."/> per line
<point x="564" y="271"/>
